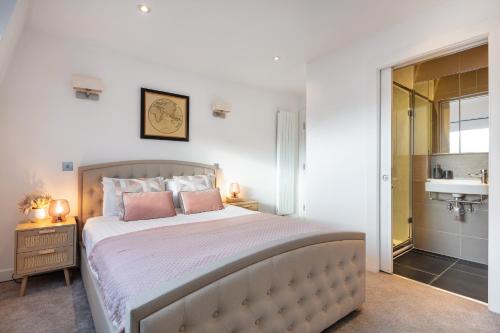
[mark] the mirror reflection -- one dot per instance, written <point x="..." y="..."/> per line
<point x="464" y="125"/>
<point x="461" y="124"/>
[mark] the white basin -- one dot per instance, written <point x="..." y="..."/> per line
<point x="456" y="186"/>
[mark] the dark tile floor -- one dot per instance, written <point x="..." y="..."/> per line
<point x="459" y="276"/>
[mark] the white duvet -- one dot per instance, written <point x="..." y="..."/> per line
<point x="99" y="228"/>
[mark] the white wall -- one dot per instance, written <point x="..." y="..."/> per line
<point x="12" y="18"/>
<point x="342" y="119"/>
<point x="6" y="9"/>
<point x="43" y="124"/>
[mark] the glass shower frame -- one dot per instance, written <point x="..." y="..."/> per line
<point x="402" y="245"/>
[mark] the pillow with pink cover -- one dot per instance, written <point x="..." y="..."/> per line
<point x="193" y="202"/>
<point x="147" y="205"/>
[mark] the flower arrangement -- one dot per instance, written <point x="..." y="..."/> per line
<point x="35" y="200"/>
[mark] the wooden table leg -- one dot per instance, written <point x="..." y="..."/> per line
<point x="24" y="283"/>
<point x="67" y="277"/>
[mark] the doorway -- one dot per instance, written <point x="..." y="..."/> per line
<point x="434" y="130"/>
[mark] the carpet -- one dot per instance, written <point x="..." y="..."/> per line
<point x="393" y="304"/>
<point x="48" y="306"/>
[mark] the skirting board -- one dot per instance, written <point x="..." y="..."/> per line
<point x="6" y="274"/>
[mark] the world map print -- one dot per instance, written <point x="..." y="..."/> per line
<point x="165" y="115"/>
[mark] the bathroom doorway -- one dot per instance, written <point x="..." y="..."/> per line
<point x="438" y="120"/>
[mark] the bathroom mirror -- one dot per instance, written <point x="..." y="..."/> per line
<point x="464" y="125"/>
<point x="460" y="121"/>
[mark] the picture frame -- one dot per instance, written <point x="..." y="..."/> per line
<point x="164" y="115"/>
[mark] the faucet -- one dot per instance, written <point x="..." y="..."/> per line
<point x="483" y="174"/>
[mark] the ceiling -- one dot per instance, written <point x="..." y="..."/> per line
<point x="233" y="40"/>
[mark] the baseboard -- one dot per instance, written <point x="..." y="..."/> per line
<point x="6" y="274"/>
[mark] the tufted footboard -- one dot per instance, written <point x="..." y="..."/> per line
<point x="302" y="286"/>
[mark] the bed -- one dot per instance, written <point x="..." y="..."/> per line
<point x="234" y="270"/>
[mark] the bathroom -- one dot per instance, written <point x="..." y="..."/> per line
<point x="440" y="144"/>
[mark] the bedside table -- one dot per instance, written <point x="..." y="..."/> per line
<point x="245" y="203"/>
<point x="44" y="247"/>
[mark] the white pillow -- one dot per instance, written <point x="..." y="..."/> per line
<point x="172" y="186"/>
<point x="188" y="184"/>
<point x="114" y="187"/>
<point x="109" y="207"/>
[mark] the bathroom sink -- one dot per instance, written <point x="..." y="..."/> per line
<point x="456" y="186"/>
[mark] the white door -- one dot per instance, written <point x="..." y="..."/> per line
<point x="385" y="171"/>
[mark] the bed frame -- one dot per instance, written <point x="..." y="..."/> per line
<point x="303" y="285"/>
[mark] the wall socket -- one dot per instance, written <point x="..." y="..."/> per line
<point x="67" y="166"/>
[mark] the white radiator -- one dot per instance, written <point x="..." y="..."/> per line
<point x="287" y="150"/>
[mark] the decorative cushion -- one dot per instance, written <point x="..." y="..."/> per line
<point x="196" y="182"/>
<point x="189" y="183"/>
<point x="193" y="202"/>
<point x="147" y="205"/>
<point x="134" y="185"/>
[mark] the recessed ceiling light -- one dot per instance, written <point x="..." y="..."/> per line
<point x="276" y="58"/>
<point x="144" y="8"/>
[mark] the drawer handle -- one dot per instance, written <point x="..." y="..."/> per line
<point x="46" y="231"/>
<point x="49" y="251"/>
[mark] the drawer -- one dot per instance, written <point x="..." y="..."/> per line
<point x="252" y="206"/>
<point x="44" y="260"/>
<point x="46" y="238"/>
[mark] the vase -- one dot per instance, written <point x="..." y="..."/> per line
<point x="37" y="214"/>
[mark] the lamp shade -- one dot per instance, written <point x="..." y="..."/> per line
<point x="234" y="188"/>
<point x="58" y="209"/>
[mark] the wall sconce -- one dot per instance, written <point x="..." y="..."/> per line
<point x="59" y="209"/>
<point x="87" y="87"/>
<point x="219" y="110"/>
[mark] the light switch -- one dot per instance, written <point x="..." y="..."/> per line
<point x="67" y="166"/>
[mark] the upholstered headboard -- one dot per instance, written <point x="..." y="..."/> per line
<point x="90" y="193"/>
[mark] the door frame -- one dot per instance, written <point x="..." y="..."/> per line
<point x="385" y="172"/>
<point x="385" y="145"/>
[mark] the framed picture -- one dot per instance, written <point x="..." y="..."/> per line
<point x="164" y="116"/>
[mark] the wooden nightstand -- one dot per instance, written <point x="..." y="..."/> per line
<point x="245" y="203"/>
<point x="44" y="247"/>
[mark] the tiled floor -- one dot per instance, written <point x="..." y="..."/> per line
<point x="459" y="276"/>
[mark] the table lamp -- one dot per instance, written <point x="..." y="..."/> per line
<point x="59" y="209"/>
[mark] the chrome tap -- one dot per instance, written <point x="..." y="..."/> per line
<point x="483" y="174"/>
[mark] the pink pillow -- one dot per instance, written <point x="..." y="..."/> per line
<point x="147" y="205"/>
<point x="193" y="202"/>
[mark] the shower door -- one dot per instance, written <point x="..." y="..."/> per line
<point x="422" y="138"/>
<point x="411" y="139"/>
<point x="401" y="168"/>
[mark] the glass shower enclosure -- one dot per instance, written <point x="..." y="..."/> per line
<point x="410" y="127"/>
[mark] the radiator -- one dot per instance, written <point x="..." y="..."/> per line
<point x="286" y="161"/>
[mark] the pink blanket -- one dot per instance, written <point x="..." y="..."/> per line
<point x="129" y="264"/>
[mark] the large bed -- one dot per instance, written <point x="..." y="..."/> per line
<point x="231" y="270"/>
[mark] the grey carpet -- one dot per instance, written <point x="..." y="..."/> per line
<point x="48" y="306"/>
<point x="392" y="305"/>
